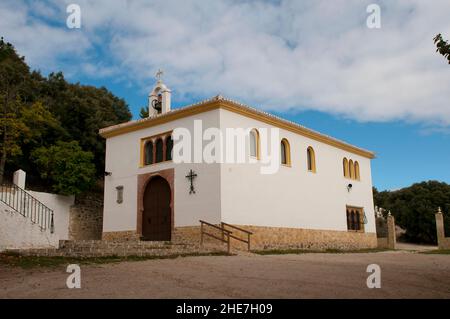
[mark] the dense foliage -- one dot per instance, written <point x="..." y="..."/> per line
<point x="69" y="169"/>
<point x="442" y="46"/>
<point x="414" y="208"/>
<point x="37" y="112"/>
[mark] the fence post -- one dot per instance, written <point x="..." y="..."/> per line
<point x="228" y="243"/>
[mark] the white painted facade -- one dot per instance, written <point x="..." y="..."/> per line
<point x="238" y="193"/>
<point x="123" y="161"/>
<point x="294" y="197"/>
<point x="60" y="205"/>
<point x="18" y="231"/>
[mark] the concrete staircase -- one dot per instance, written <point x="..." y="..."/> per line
<point x="99" y="248"/>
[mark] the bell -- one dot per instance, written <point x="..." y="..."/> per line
<point x="156" y="104"/>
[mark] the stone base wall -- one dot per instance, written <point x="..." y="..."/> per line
<point x="86" y="217"/>
<point x="281" y="237"/>
<point x="269" y="238"/>
<point x="127" y="235"/>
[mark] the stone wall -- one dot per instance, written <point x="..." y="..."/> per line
<point x="270" y="238"/>
<point x="19" y="232"/>
<point x="386" y="232"/>
<point x="280" y="237"/>
<point x="86" y="217"/>
<point x="126" y="235"/>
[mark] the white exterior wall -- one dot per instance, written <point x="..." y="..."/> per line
<point x="239" y="193"/>
<point x="294" y="197"/>
<point x="18" y="232"/>
<point x="60" y="205"/>
<point x="123" y="161"/>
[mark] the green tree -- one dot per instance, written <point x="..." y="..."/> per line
<point x="13" y="72"/>
<point x="143" y="113"/>
<point x="443" y="47"/>
<point x="67" y="166"/>
<point x="414" y="208"/>
<point x="38" y="111"/>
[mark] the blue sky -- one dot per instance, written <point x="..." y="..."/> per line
<point x="314" y="62"/>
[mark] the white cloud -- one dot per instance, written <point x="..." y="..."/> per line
<point x="282" y="55"/>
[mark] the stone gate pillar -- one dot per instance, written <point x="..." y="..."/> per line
<point x="391" y="231"/>
<point x="440" y="229"/>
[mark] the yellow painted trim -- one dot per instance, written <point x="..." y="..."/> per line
<point x="312" y="156"/>
<point x="235" y="108"/>
<point x="287" y="148"/>
<point x="345" y="167"/>
<point x="258" y="144"/>
<point x="357" y="175"/>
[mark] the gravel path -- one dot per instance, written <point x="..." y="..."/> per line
<point x="403" y="275"/>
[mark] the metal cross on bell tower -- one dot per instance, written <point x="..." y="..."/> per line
<point x="159" y="74"/>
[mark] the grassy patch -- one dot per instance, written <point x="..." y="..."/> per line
<point x="437" y="252"/>
<point x="310" y="251"/>
<point x="26" y="262"/>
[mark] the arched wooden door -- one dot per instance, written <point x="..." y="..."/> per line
<point x="156" y="221"/>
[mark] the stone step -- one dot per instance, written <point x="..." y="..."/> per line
<point x="95" y="248"/>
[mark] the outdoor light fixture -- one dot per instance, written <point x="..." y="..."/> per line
<point x="108" y="173"/>
<point x="349" y="187"/>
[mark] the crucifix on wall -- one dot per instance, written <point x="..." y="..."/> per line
<point x="191" y="177"/>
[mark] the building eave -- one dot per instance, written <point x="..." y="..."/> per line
<point x="236" y="107"/>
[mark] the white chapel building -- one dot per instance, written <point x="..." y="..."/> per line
<point x="319" y="197"/>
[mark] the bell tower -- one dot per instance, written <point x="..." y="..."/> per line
<point x="159" y="97"/>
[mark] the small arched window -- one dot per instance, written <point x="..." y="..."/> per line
<point x="159" y="151"/>
<point x="254" y="143"/>
<point x="311" y="159"/>
<point x="169" y="147"/>
<point x="285" y="152"/>
<point x="357" y="176"/>
<point x="351" y="169"/>
<point x="148" y="153"/>
<point x="345" y="164"/>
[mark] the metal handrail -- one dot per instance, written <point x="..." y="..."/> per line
<point x="27" y="205"/>
<point x="225" y="233"/>
<point x="249" y="233"/>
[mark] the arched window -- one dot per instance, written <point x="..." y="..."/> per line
<point x="345" y="164"/>
<point x="159" y="151"/>
<point x="357" y="171"/>
<point x="169" y="147"/>
<point x="355" y="219"/>
<point x="285" y="152"/>
<point x="254" y="143"/>
<point x="351" y="169"/>
<point x="311" y="159"/>
<point x="148" y="159"/>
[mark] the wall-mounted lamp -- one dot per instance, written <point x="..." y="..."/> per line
<point x="349" y="187"/>
<point x="108" y="173"/>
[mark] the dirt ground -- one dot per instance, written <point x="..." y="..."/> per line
<point x="403" y="275"/>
